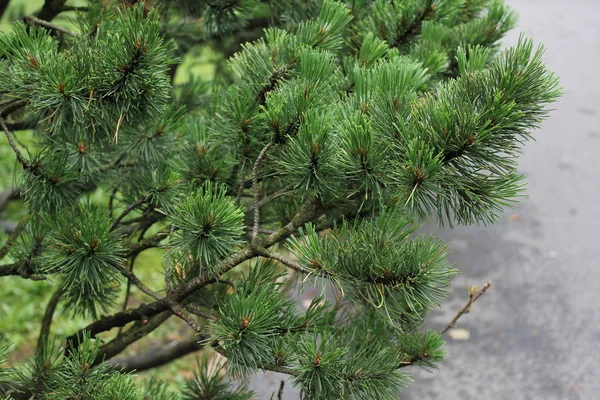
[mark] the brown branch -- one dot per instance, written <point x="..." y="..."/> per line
<point x="148" y="243"/>
<point x="51" y="9"/>
<point x="21" y="125"/>
<point x="159" y="356"/>
<point x="255" y="206"/>
<point x="129" y="209"/>
<point x="26" y="165"/>
<point x="127" y="290"/>
<point x="12" y="107"/>
<point x="188" y="319"/>
<point x="8" y="195"/>
<point x="267" y="199"/>
<point x="168" y="264"/>
<point x="18" y="270"/>
<point x="49" y="25"/>
<point x="3" y="5"/>
<point x="280" y="391"/>
<point x="285" y="261"/>
<point x="13" y="237"/>
<point x="135" y="333"/>
<point x="137" y="282"/>
<point x="307" y="213"/>
<point x="48" y="315"/>
<point x="467" y="307"/>
<point x="197" y="311"/>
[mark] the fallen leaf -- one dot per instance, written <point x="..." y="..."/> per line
<point x="514" y="217"/>
<point x="459" y="334"/>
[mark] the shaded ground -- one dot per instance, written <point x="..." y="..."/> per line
<point x="536" y="333"/>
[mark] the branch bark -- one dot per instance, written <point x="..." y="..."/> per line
<point x="467" y="307"/>
<point x="135" y="333"/>
<point x="48" y="315"/>
<point x="159" y="356"/>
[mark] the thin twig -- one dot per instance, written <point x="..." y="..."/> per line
<point x="137" y="282"/>
<point x="111" y="200"/>
<point x="242" y="184"/>
<point x="168" y="263"/>
<point x="49" y="25"/>
<point x="280" y="392"/>
<point x="197" y="311"/>
<point x="13" y="237"/>
<point x="129" y="209"/>
<point x="128" y="290"/>
<point x="267" y="199"/>
<point x="467" y="307"/>
<point x="26" y="165"/>
<point x="179" y="312"/>
<point x="260" y="230"/>
<point x="259" y="159"/>
<point x="285" y="261"/>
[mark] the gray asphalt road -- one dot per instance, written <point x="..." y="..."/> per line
<point x="536" y="333"/>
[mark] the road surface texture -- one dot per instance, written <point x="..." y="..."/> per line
<point x="536" y="333"/>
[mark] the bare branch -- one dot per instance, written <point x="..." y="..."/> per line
<point x="467" y="307"/>
<point x="137" y="282"/>
<point x="13" y="237"/>
<point x="26" y="165"/>
<point x="129" y="209"/>
<point x="142" y="328"/>
<point x="159" y="356"/>
<point x="49" y="25"/>
<point x="48" y="315"/>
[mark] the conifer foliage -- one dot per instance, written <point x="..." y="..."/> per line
<point x="333" y="129"/>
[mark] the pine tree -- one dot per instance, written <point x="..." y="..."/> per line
<point x="330" y="133"/>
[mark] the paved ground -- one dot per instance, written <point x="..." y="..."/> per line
<point x="536" y="333"/>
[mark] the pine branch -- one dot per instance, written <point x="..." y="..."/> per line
<point x="49" y="25"/>
<point x="180" y="312"/>
<point x="17" y="269"/>
<point x="161" y="355"/>
<point x="138" y="331"/>
<point x="192" y="308"/>
<point x="467" y="307"/>
<point x="137" y="282"/>
<point x="21" y="125"/>
<point x="3" y="5"/>
<point x="285" y="261"/>
<point x="47" y="319"/>
<point x="267" y="199"/>
<point x="26" y="165"/>
<point x="127" y="290"/>
<point x="168" y="264"/>
<point x="306" y="213"/>
<point x="255" y="206"/>
<point x="13" y="237"/>
<point x="129" y="209"/>
<point x="51" y="9"/>
<point x="12" y="107"/>
<point x="148" y="243"/>
<point x="7" y="195"/>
